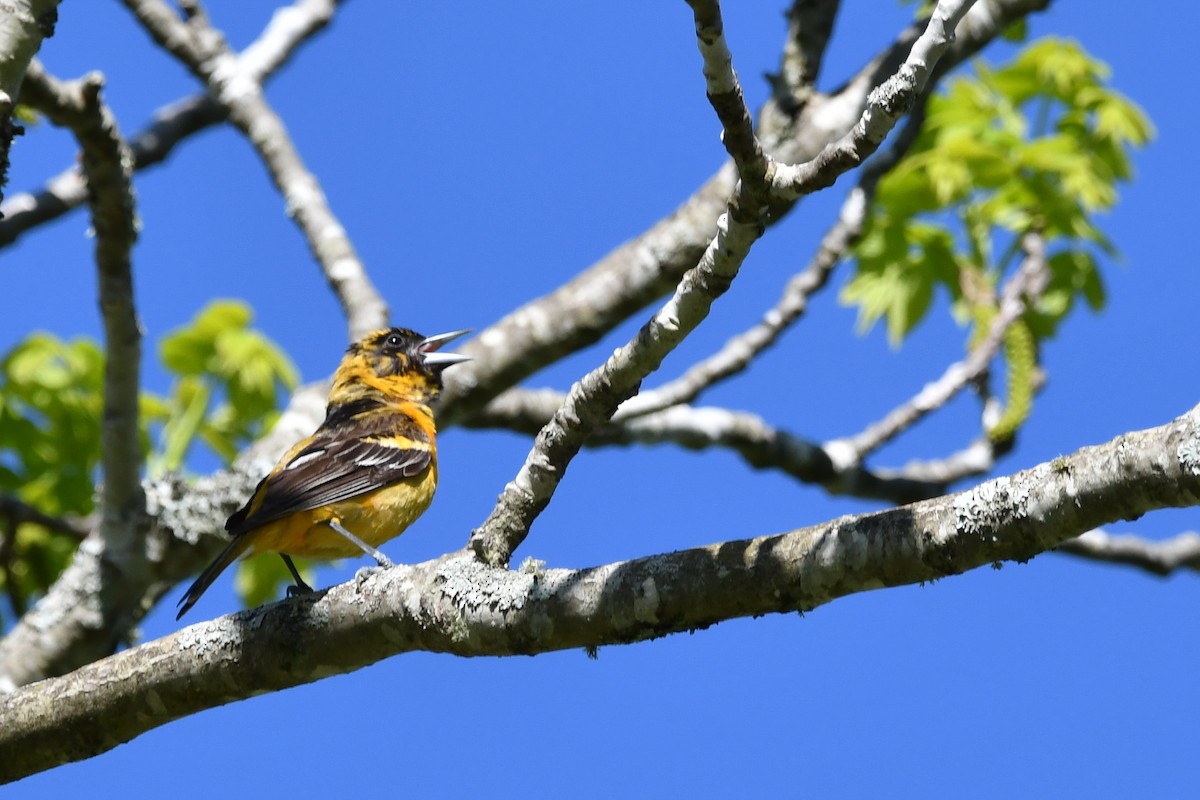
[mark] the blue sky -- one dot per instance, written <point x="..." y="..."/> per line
<point x="479" y="156"/>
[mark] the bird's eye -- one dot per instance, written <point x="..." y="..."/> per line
<point x="392" y="341"/>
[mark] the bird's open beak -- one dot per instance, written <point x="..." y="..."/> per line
<point x="430" y="344"/>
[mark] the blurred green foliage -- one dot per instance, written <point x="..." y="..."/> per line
<point x="1036" y="145"/>
<point x="226" y="386"/>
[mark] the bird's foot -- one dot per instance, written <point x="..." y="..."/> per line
<point x="299" y="589"/>
<point x="364" y="573"/>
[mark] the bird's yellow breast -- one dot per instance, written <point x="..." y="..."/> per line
<point x="374" y="517"/>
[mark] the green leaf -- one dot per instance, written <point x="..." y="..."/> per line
<point x="1039" y="143"/>
<point x="242" y="372"/>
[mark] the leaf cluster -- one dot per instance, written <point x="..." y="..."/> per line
<point x="1038" y="144"/>
<point x="225" y="390"/>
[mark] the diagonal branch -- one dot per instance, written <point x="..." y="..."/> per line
<point x="594" y="398"/>
<point x="725" y="95"/>
<point x="203" y="50"/>
<point x="737" y="353"/>
<point x="288" y="28"/>
<point x="457" y="605"/>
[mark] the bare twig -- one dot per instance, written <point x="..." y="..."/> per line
<point x="740" y="350"/>
<point x="725" y="95"/>
<point x="1162" y="558"/>
<point x="1025" y="286"/>
<point x="202" y="49"/>
<point x="289" y="27"/>
<point x="455" y="604"/>
<point x="976" y="459"/>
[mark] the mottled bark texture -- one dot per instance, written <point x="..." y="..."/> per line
<point x="456" y="604"/>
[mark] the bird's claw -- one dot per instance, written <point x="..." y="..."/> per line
<point x="299" y="590"/>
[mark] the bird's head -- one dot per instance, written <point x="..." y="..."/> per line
<point x="400" y="363"/>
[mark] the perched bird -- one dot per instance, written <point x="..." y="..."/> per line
<point x="367" y="472"/>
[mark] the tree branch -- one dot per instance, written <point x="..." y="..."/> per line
<point x="649" y="266"/>
<point x="559" y="323"/>
<point x="107" y="170"/>
<point x="594" y="398"/>
<point x="202" y="49"/>
<point x="1019" y="293"/>
<point x="1162" y="558"/>
<point x="289" y="27"/>
<point x="759" y="444"/>
<point x="116" y="555"/>
<point x="455" y="604"/>
<point x="188" y="530"/>
<point x="740" y="350"/>
<point x="885" y="105"/>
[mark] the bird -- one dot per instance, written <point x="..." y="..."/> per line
<point x="363" y="476"/>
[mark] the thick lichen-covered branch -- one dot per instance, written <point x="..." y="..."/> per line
<point x="71" y="629"/>
<point x="457" y="605"/>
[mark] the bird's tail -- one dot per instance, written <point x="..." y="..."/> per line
<point x="232" y="550"/>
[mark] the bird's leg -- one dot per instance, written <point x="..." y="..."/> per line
<point x="301" y="587"/>
<point x="379" y="557"/>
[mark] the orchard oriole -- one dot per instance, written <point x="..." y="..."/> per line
<point x="367" y="472"/>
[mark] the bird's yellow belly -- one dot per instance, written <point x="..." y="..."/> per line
<point x="374" y="517"/>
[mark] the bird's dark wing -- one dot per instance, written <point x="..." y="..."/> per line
<point x="332" y="467"/>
